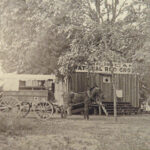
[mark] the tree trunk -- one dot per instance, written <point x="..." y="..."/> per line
<point x="114" y="96"/>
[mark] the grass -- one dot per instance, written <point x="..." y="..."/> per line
<point x="74" y="133"/>
<point x="11" y="125"/>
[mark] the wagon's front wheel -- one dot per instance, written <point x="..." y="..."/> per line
<point x="44" y="110"/>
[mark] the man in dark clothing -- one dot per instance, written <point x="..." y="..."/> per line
<point x="87" y="101"/>
<point x="86" y="110"/>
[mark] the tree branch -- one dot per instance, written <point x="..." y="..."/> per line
<point x="120" y="9"/>
<point x="114" y="7"/>
<point x="98" y="9"/>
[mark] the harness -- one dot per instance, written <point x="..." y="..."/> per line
<point x="89" y="93"/>
<point x="90" y="98"/>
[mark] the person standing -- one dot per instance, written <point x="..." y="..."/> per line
<point x="86" y="105"/>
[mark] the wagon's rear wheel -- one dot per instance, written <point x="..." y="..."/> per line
<point x="44" y="110"/>
<point x="10" y="106"/>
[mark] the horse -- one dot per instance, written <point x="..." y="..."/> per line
<point x="94" y="94"/>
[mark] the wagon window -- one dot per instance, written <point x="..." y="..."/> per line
<point x="31" y="85"/>
<point x="22" y="83"/>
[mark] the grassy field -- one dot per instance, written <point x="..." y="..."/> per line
<point x="74" y="133"/>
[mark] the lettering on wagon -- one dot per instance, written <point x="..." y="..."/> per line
<point x="120" y="68"/>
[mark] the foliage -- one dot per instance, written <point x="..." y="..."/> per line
<point x="104" y="35"/>
<point x="35" y="35"/>
<point x="29" y="41"/>
<point x="142" y="55"/>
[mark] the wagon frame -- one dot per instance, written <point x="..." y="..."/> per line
<point x="20" y="103"/>
<point x="23" y="93"/>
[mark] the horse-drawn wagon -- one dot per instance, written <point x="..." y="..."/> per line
<point x="34" y="94"/>
<point x="21" y="103"/>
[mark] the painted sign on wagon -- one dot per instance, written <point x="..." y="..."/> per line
<point x="104" y="67"/>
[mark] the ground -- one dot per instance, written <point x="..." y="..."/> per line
<point x="74" y="133"/>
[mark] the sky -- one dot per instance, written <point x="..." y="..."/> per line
<point x="121" y="2"/>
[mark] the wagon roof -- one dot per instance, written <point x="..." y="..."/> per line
<point x="27" y="76"/>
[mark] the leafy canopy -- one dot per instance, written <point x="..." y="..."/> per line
<point x="104" y="31"/>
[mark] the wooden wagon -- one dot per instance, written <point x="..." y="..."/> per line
<point x="21" y="103"/>
<point x="25" y="93"/>
<point x="126" y="84"/>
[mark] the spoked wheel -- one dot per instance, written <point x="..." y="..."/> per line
<point x="24" y="109"/>
<point x="10" y="106"/>
<point x="44" y="110"/>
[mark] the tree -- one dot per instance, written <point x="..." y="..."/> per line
<point x="142" y="55"/>
<point x="30" y="42"/>
<point x="103" y="35"/>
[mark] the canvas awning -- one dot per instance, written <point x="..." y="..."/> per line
<point x="27" y="77"/>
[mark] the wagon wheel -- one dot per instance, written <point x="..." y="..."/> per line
<point x="44" y="110"/>
<point x="10" y="106"/>
<point x="24" y="109"/>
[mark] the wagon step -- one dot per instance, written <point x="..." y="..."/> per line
<point x="122" y="108"/>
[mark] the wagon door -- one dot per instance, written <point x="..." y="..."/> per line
<point x="106" y="86"/>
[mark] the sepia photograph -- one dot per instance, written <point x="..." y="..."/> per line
<point x="74" y="74"/>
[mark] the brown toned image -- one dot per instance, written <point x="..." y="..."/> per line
<point x="74" y="75"/>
